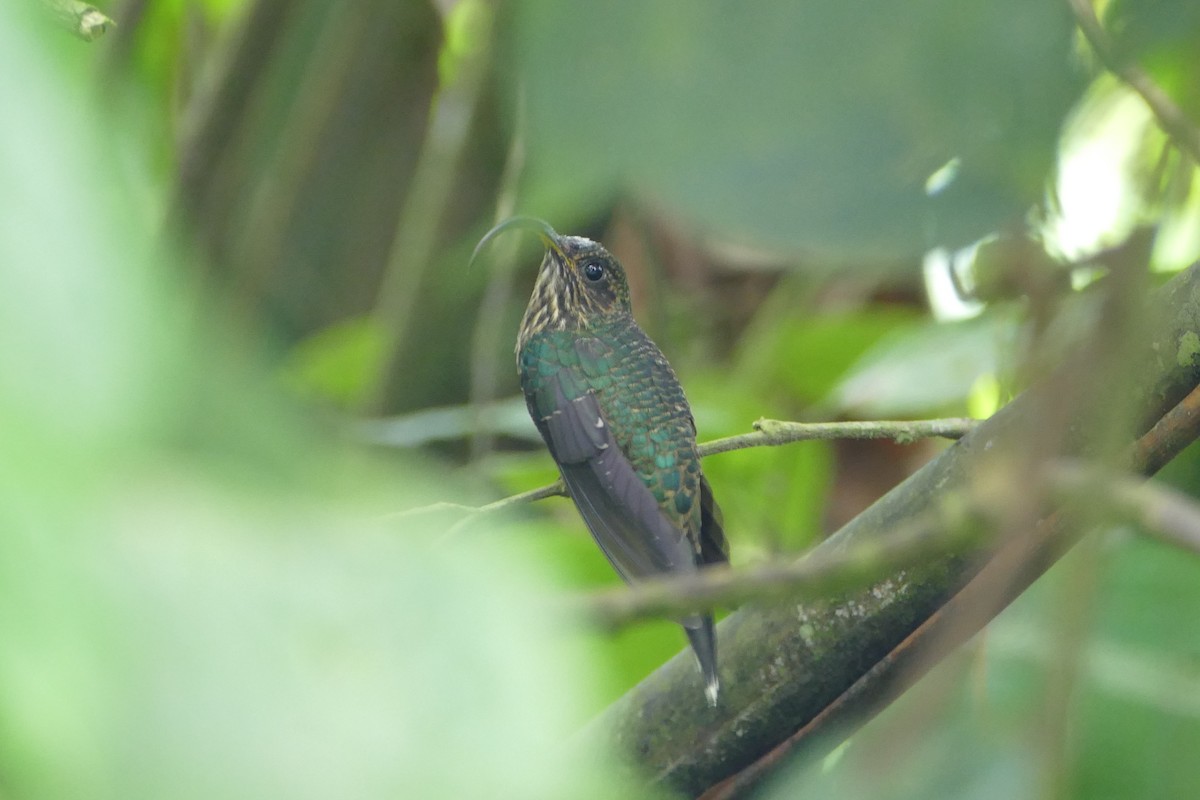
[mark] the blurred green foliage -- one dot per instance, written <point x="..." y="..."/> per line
<point x="1160" y="35"/>
<point x="802" y="125"/>
<point x="204" y="590"/>
<point x="187" y="611"/>
<point x="880" y="384"/>
<point x="985" y="715"/>
<point x="336" y="364"/>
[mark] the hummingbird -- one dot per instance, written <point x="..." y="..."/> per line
<point x="616" y="422"/>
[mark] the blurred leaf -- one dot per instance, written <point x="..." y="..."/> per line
<point x="520" y="472"/>
<point x="552" y="532"/>
<point x="810" y="127"/>
<point x="222" y="10"/>
<point x="554" y="535"/>
<point x="805" y="355"/>
<point x="78" y="346"/>
<point x="1183" y="472"/>
<point x="926" y="370"/>
<point x="1136" y="717"/>
<point x="468" y="28"/>
<point x="1163" y="36"/>
<point x="933" y="742"/>
<point x="504" y="417"/>
<point x="773" y="498"/>
<point x="1118" y="175"/>
<point x="336" y="364"/>
<point x="1144" y="583"/>
<point x="977" y="725"/>
<point x="193" y="609"/>
<point x="328" y="657"/>
<point x="271" y="647"/>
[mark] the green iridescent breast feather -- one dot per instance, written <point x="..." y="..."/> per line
<point x="639" y="397"/>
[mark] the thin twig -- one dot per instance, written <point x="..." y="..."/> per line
<point x="767" y="433"/>
<point x="1158" y="511"/>
<point x="773" y="432"/>
<point x="1165" y="514"/>
<point x="1178" y="126"/>
<point x="540" y="493"/>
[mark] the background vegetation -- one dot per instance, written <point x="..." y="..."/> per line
<point x="246" y="376"/>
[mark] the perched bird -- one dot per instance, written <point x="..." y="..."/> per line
<point x="616" y="422"/>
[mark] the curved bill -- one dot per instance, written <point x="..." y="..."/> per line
<point x="547" y="234"/>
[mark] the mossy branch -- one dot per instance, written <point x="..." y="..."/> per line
<point x="1157" y="511"/>
<point x="1160" y="512"/>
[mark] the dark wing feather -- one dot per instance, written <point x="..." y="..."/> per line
<point x="714" y="548"/>
<point x="619" y="510"/>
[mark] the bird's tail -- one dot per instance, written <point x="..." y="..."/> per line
<point x="703" y="637"/>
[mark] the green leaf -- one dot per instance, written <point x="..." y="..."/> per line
<point x="1162" y="36"/>
<point x="807" y="126"/>
<point x="190" y="608"/>
<point x="773" y="498"/>
<point x="802" y="356"/>
<point x="553" y="534"/>
<point x="336" y="364"/>
<point x="981" y="724"/>
<point x="929" y="369"/>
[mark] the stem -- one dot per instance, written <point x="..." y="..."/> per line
<point x="1178" y="126"/>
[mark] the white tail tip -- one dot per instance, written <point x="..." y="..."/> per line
<point x="711" y="689"/>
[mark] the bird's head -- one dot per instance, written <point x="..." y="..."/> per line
<point x="579" y="280"/>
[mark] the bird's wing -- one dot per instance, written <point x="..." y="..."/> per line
<point x="714" y="547"/>
<point x="622" y="514"/>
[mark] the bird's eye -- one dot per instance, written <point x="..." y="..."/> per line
<point x="593" y="270"/>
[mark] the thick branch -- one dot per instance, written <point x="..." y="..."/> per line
<point x="997" y="584"/>
<point x="1162" y="513"/>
